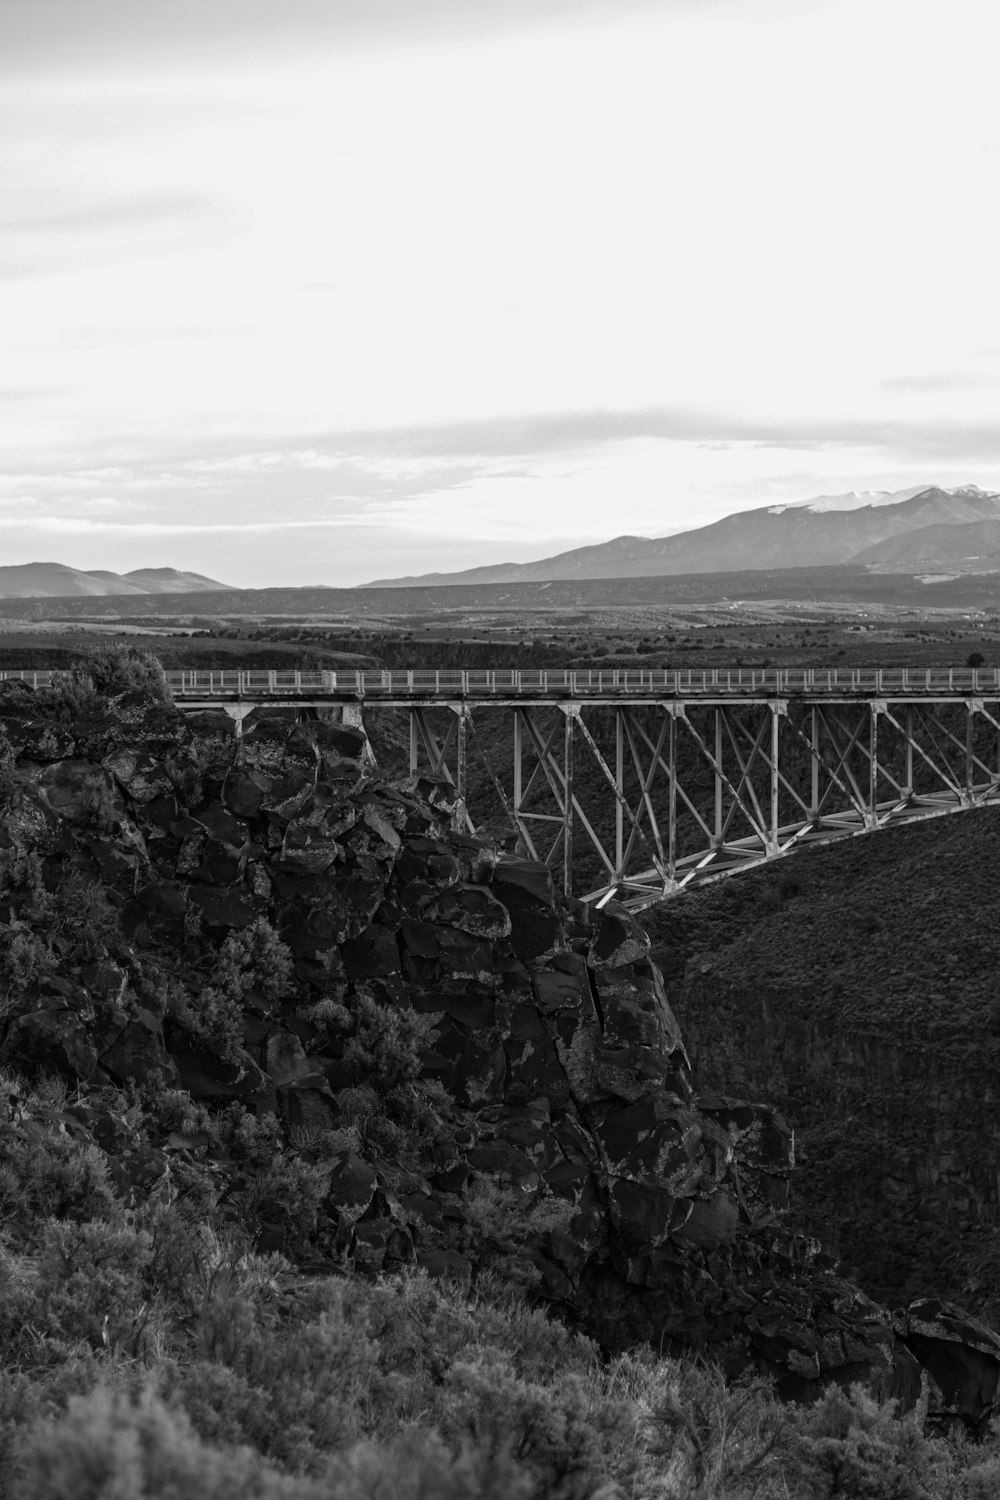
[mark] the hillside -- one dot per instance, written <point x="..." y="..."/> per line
<point x="971" y="545"/>
<point x="50" y="580"/>
<point x="857" y="984"/>
<point x="813" y="534"/>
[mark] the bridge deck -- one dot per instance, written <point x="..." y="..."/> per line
<point x="504" y="687"/>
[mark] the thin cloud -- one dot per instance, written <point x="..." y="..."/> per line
<point x="47" y="35"/>
<point x="253" y="483"/>
<point x="46" y="245"/>
<point x="377" y="459"/>
<point x="85" y="526"/>
<point x="934" y="384"/>
<point x="116" y="213"/>
<point x="14" y="393"/>
<point x="408" y="460"/>
<point x="530" y="436"/>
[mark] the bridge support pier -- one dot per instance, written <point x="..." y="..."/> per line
<point x="460" y="817"/>
<point x="238" y="712"/>
<point x="351" y="713"/>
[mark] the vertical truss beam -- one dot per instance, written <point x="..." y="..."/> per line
<point x="717" y="779"/>
<point x="621" y="806"/>
<point x="778" y="710"/>
<point x="460" y="817"/>
<point x="874" y="709"/>
<point x="569" y="801"/>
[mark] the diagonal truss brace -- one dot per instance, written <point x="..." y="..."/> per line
<point x="423" y="736"/>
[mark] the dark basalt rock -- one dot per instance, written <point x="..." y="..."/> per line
<point x="527" y="893"/>
<point x="138" y="1052"/>
<point x="353" y="1183"/>
<point x="961" y="1355"/>
<point x="44" y="743"/>
<point x="206" y="1076"/>
<point x="565" y="1079"/>
<point x="55" y="1041"/>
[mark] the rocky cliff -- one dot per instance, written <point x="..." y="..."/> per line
<point x="468" y="1070"/>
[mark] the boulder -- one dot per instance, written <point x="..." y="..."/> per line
<point x="962" y="1356"/>
<point x="353" y="1184"/>
<point x="56" y="1041"/>
<point x="525" y="889"/>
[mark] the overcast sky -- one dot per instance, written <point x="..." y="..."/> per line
<point x="314" y="291"/>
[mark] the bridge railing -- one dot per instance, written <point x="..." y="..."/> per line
<point x="483" y="683"/>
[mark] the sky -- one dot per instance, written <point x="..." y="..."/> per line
<point x="319" y="291"/>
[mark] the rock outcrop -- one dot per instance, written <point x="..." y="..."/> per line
<point x="476" y="1066"/>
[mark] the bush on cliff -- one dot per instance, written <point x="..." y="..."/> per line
<point x="100" y="675"/>
<point x="251" y="961"/>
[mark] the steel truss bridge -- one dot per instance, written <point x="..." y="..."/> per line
<point x="640" y="784"/>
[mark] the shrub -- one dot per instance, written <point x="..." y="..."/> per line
<point x="117" y="668"/>
<point x="560" y="1432"/>
<point x="8" y="765"/>
<point x="23" y="957"/>
<point x="93" y="1285"/>
<point x="386" y="1042"/>
<point x="21" y="871"/>
<point x="851" y="1445"/>
<point x="98" y="803"/>
<point x="50" y="1175"/>
<point x="715" y="1439"/>
<point x="109" y="1446"/>
<point x="418" y="1466"/>
<point x="69" y="698"/>
<point x="251" y="961"/>
<point x="256" y="959"/>
<point x="297" y="1394"/>
<point x="83" y="692"/>
<point x="510" y="1225"/>
<point x="284" y="1197"/>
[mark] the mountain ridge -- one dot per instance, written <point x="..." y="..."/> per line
<point x="809" y="533"/>
<point x="55" y="580"/>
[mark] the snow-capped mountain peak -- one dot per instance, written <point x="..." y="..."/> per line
<point x="855" y="499"/>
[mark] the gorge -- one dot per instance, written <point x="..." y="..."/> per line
<point x="425" y="1058"/>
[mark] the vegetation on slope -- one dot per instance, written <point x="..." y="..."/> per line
<point x="855" y="988"/>
<point x="148" y="1351"/>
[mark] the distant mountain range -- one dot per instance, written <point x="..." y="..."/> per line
<point x="915" y="530"/>
<point x="50" y="580"/>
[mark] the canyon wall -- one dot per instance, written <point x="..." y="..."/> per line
<point x="476" y="1072"/>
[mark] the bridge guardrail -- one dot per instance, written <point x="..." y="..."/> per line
<point x="486" y="683"/>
